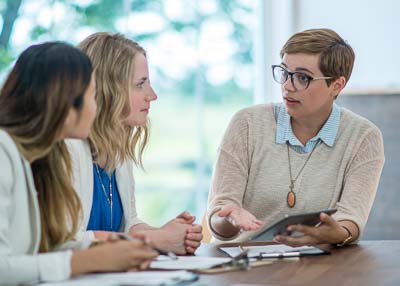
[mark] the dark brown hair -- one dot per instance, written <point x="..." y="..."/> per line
<point x="45" y="83"/>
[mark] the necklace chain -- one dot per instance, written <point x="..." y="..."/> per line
<point x="108" y="197"/>
<point x="292" y="181"/>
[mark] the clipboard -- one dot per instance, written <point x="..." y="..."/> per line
<point x="259" y="250"/>
<point x="239" y="262"/>
<point x="209" y="265"/>
<point x="223" y="269"/>
<point x="244" y="261"/>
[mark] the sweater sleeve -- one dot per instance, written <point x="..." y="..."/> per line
<point x="76" y="148"/>
<point x="361" y="180"/>
<point x="24" y="269"/>
<point x="133" y="218"/>
<point x="231" y="169"/>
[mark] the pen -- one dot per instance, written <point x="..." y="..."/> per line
<point x="280" y="254"/>
<point x="170" y="254"/>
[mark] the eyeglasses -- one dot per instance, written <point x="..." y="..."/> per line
<point x="300" y="81"/>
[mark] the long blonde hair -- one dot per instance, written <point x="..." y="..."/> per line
<point x="112" y="56"/>
<point x="46" y="82"/>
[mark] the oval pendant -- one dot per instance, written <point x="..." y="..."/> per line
<point x="291" y="199"/>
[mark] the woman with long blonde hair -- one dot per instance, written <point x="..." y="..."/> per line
<point x="49" y="95"/>
<point x="103" y="164"/>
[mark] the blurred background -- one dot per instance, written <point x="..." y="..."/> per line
<point x="210" y="58"/>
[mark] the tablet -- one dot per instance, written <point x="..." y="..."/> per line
<point x="268" y="232"/>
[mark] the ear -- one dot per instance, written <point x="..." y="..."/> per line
<point x="338" y="85"/>
<point x="71" y="117"/>
<point x="69" y="123"/>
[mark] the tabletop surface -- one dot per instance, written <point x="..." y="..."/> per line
<point x="368" y="263"/>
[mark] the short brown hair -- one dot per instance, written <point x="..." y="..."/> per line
<point x="336" y="56"/>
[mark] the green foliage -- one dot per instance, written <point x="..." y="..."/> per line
<point x="101" y="14"/>
<point x="146" y="37"/>
<point x="6" y="58"/>
<point x="38" y="31"/>
<point x="213" y="94"/>
<point x="178" y="26"/>
<point x="145" y="5"/>
<point x="175" y="147"/>
<point x="228" y="91"/>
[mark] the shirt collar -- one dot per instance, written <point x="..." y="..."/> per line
<point x="327" y="134"/>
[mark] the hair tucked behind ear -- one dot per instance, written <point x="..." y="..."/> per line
<point x="46" y="82"/>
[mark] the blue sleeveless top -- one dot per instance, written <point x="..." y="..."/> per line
<point x="100" y="215"/>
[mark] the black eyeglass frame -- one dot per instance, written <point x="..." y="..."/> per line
<point x="291" y="74"/>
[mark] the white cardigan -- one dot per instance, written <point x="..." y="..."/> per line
<point x="20" y="224"/>
<point x="83" y="183"/>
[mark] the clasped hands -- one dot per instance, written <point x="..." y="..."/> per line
<point x="180" y="235"/>
<point x="329" y="231"/>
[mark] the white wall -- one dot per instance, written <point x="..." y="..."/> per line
<point x="371" y="27"/>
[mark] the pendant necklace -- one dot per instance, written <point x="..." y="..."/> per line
<point x="291" y="195"/>
<point x="108" y="197"/>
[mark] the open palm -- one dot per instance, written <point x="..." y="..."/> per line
<point x="239" y="217"/>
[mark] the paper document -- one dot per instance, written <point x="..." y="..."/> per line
<point x="188" y="263"/>
<point x="145" y="278"/>
<point x="255" y="251"/>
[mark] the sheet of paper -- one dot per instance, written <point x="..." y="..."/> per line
<point x="188" y="262"/>
<point x="254" y="251"/>
<point x="144" y="278"/>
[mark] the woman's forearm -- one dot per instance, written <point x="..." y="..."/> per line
<point x="82" y="262"/>
<point x="141" y="227"/>
<point x="222" y="227"/>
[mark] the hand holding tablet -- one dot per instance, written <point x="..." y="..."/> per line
<point x="268" y="232"/>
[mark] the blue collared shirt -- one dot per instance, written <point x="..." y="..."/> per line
<point x="284" y="132"/>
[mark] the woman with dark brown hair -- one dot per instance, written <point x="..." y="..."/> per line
<point x="48" y="96"/>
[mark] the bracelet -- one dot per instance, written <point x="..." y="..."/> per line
<point x="344" y="242"/>
<point x="215" y="232"/>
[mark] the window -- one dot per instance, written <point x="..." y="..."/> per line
<point x="201" y="66"/>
